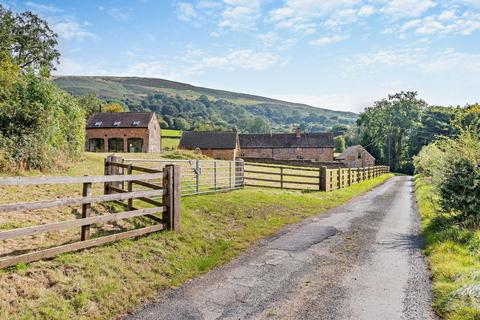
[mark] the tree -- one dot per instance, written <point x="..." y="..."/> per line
<point x="113" y="107"/>
<point x="339" y="144"/>
<point x="27" y="41"/>
<point x="89" y="103"/>
<point x="387" y="125"/>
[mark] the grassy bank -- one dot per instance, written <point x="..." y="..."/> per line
<point x="453" y="250"/>
<point x="106" y="281"/>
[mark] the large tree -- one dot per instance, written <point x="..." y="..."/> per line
<point x="387" y="126"/>
<point x="27" y="41"/>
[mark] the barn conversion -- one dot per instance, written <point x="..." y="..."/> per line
<point x="355" y="157"/>
<point x="221" y="145"/>
<point x="287" y="146"/>
<point x="123" y="132"/>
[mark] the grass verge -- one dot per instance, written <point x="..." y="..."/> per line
<point x="104" y="282"/>
<point x="453" y="251"/>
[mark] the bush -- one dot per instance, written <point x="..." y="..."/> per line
<point x="41" y="126"/>
<point x="453" y="164"/>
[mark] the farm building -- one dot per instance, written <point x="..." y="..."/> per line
<point x="356" y="156"/>
<point x="221" y="145"/>
<point x="123" y="132"/>
<point x="287" y="146"/>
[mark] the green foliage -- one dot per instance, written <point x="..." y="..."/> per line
<point x="89" y="103"/>
<point x="27" y="41"/>
<point x="339" y="144"/>
<point x="40" y="125"/>
<point x="387" y="125"/>
<point x="453" y="165"/>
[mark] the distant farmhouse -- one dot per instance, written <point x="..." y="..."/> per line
<point x="356" y="156"/>
<point x="123" y="132"/>
<point x="316" y="147"/>
<point x="221" y="145"/>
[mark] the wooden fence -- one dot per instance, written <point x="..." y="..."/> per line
<point x="200" y="176"/>
<point x="301" y="178"/>
<point x="114" y="181"/>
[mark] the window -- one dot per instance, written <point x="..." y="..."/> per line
<point x="96" y="145"/>
<point x="116" y="124"/>
<point x="98" y="124"/>
<point x="359" y="155"/>
<point x="136" y="123"/>
<point x="115" y="145"/>
<point x="135" y="144"/>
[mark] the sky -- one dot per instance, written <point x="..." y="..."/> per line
<point x="335" y="54"/>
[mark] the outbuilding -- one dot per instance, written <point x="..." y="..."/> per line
<point x="123" y="132"/>
<point x="317" y="147"/>
<point x="222" y="145"/>
<point x="356" y="157"/>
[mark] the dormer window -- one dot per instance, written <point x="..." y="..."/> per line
<point x="98" y="124"/>
<point x="116" y="124"/>
<point x="136" y="123"/>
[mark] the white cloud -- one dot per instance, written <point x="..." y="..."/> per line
<point x="240" y="14"/>
<point x="328" y="40"/>
<point x="120" y="14"/>
<point x="366" y="11"/>
<point x="407" y="8"/>
<point x="242" y="59"/>
<point x="70" y="29"/>
<point x="186" y="11"/>
<point x="446" y="23"/>
<point x="269" y="39"/>
<point x="333" y="101"/>
<point x="43" y="7"/>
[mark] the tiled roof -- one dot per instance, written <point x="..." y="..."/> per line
<point x="208" y="140"/>
<point x="120" y="120"/>
<point x="352" y="149"/>
<point x="286" y="140"/>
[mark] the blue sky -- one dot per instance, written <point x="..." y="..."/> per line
<point x="337" y="54"/>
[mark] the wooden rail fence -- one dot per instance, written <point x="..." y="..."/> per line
<point x="302" y="178"/>
<point x="114" y="180"/>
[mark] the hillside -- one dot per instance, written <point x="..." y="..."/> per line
<point x="173" y="100"/>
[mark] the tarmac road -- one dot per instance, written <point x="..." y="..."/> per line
<point x="362" y="260"/>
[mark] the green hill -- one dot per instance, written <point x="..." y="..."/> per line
<point x="174" y="101"/>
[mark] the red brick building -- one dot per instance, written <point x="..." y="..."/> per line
<point x="123" y="132"/>
<point x="222" y="145"/>
<point x="316" y="147"/>
<point x="356" y="157"/>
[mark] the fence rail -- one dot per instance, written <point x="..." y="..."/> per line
<point x="321" y="179"/>
<point x="114" y="180"/>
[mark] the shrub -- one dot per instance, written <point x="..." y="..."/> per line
<point x="39" y="125"/>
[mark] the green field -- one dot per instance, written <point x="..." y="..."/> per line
<point x="107" y="281"/>
<point x="171" y="133"/>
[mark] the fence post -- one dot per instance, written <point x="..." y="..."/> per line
<point x="171" y="200"/>
<point x="214" y="175"/>
<point x="129" y="188"/>
<point x="239" y="173"/>
<point x="87" y="192"/>
<point x="230" y="174"/>
<point x="339" y="181"/>
<point x="349" y="177"/>
<point x="281" y="177"/>
<point x="112" y="170"/>
<point x="323" y="179"/>
<point x="197" y="175"/>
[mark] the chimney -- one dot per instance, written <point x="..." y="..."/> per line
<point x="298" y="133"/>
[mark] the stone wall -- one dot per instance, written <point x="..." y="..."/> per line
<point x="316" y="154"/>
<point x="220" y="154"/>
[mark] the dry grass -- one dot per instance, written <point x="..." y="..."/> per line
<point x="106" y="281"/>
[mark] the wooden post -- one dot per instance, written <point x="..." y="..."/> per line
<point x="129" y="188"/>
<point x="171" y="200"/>
<point x="239" y="173"/>
<point x="214" y="175"/>
<point x="112" y="170"/>
<point x="230" y="174"/>
<point x="323" y="179"/>
<point x="197" y="176"/>
<point x="349" y="177"/>
<point x="281" y="177"/>
<point x="87" y="192"/>
<point x="339" y="179"/>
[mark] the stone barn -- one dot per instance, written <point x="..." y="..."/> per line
<point x="355" y="157"/>
<point x="222" y="145"/>
<point x="123" y="132"/>
<point x="316" y="147"/>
